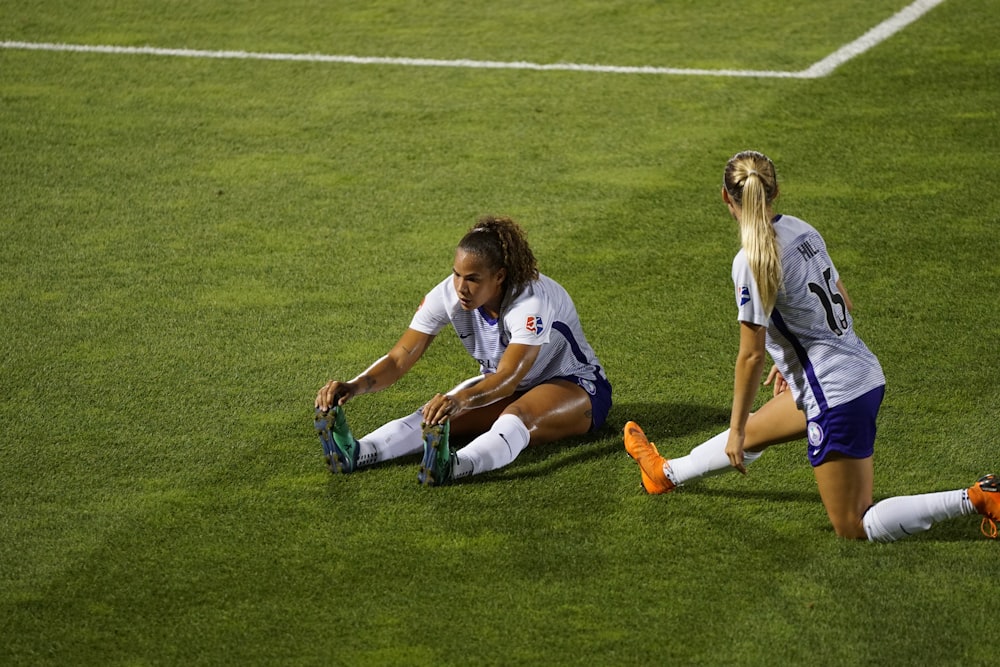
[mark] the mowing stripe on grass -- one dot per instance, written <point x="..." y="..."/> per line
<point x="822" y="68"/>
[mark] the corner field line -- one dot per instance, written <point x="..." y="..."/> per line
<point x="824" y="67"/>
<point x="876" y="35"/>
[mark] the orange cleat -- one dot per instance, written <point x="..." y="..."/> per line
<point x="654" y="480"/>
<point x="985" y="497"/>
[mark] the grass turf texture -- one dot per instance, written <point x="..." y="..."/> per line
<point x="192" y="247"/>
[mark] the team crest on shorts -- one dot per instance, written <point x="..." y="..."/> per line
<point x="587" y="385"/>
<point x="815" y="433"/>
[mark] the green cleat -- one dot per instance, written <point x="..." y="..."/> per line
<point x="436" y="467"/>
<point x="340" y="448"/>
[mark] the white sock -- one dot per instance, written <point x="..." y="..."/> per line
<point x="493" y="449"/>
<point x="706" y="460"/>
<point x="397" y="438"/>
<point x="895" y="518"/>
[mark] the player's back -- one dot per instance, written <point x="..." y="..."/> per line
<point x="811" y="333"/>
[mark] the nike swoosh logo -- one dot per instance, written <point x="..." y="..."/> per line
<point x="464" y="336"/>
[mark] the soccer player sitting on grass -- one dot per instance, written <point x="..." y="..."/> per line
<point x="539" y="380"/>
<point x="828" y="385"/>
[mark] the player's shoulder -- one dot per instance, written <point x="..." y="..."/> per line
<point x="792" y="224"/>
<point x="538" y="296"/>
<point x="544" y="282"/>
<point x="541" y="287"/>
<point x="551" y="292"/>
<point x="740" y="261"/>
<point x="791" y="229"/>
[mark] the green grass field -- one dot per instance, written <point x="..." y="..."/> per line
<point x="192" y="247"/>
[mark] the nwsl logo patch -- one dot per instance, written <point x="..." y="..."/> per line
<point x="534" y="325"/>
<point x="815" y="433"/>
<point x="744" y="295"/>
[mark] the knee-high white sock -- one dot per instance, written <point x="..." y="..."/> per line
<point x="706" y="460"/>
<point x="894" y="518"/>
<point x="397" y="438"/>
<point x="494" y="449"/>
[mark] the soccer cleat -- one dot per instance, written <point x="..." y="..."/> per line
<point x="985" y="497"/>
<point x="436" y="466"/>
<point x="340" y="448"/>
<point x="654" y="480"/>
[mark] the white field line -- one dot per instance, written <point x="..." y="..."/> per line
<point x="876" y="35"/>
<point x="822" y="68"/>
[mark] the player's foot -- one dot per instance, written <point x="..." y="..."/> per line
<point x="654" y="480"/>
<point x="985" y="497"/>
<point x="435" y="468"/>
<point x="340" y="448"/>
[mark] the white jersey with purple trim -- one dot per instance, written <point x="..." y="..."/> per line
<point x="810" y="333"/>
<point x="541" y="314"/>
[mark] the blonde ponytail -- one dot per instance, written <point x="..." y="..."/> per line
<point x="751" y="183"/>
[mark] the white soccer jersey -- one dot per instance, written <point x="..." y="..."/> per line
<point x="542" y="314"/>
<point x="810" y="333"/>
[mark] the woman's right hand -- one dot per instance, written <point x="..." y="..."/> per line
<point x="334" y="393"/>
<point x="775" y="376"/>
<point x="734" y="450"/>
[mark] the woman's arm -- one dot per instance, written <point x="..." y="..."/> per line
<point x="515" y="363"/>
<point x="381" y="374"/>
<point x="843" y="293"/>
<point x="749" y="367"/>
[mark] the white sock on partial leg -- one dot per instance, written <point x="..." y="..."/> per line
<point x="706" y="460"/>
<point x="494" y="449"/>
<point x="397" y="438"/>
<point x="894" y="518"/>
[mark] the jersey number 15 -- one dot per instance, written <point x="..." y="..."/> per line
<point x="830" y="297"/>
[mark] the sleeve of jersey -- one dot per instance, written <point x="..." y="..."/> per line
<point x="432" y="314"/>
<point x="748" y="304"/>
<point x="529" y="321"/>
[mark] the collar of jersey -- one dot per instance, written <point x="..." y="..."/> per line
<point x="489" y="320"/>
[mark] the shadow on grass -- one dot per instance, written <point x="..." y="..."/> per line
<point x="670" y="419"/>
<point x="959" y="529"/>
<point x="764" y="495"/>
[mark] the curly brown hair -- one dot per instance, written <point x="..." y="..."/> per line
<point x="502" y="243"/>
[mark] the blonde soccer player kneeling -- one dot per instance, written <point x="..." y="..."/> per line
<point x="827" y="384"/>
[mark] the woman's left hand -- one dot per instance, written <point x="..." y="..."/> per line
<point x="775" y="376"/>
<point x="442" y="408"/>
